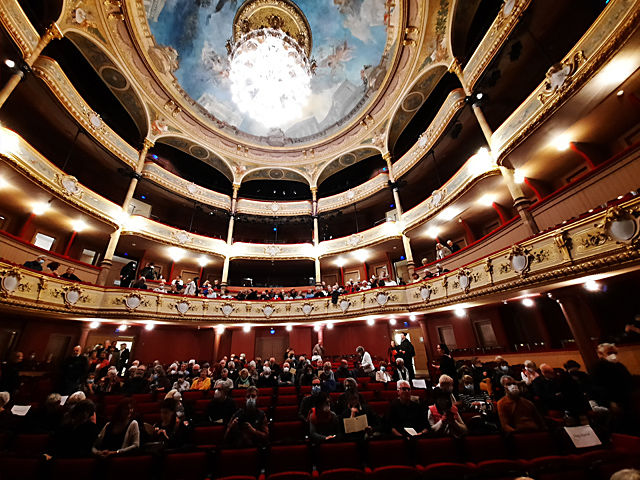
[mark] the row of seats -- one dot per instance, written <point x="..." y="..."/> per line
<point x="485" y="458"/>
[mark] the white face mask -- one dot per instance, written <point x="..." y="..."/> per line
<point x="326" y="408"/>
<point x="251" y="403"/>
<point x="217" y="394"/>
<point x="513" y="389"/>
<point x="613" y="358"/>
<point x="285" y="369"/>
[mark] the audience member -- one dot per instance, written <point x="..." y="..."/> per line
<point x="10" y="378"/>
<point x="546" y="389"/>
<point x="121" y="434"/>
<point x="444" y="418"/>
<point x="502" y="369"/>
<point x="407" y="352"/>
<point x="72" y="371"/>
<point x="249" y="426"/>
<point x="446" y="364"/>
<point x="612" y="383"/>
<point x="286" y="378"/>
<point x="136" y="383"/>
<point x="356" y="409"/>
<point x="383" y="375"/>
<point x="245" y="380"/>
<point x="401" y="372"/>
<point x="203" y="382"/>
<point x="327" y="378"/>
<point x="365" y="362"/>
<point x="474" y="399"/>
<point x="37" y="263"/>
<point x="323" y="423"/>
<point x="529" y="373"/>
<point x="308" y="401"/>
<point x="222" y="407"/>
<point x="404" y="413"/>
<point x="517" y="414"/>
<point x="170" y="430"/>
<point x="76" y="437"/>
<point x="343" y="370"/>
<point x="70" y="275"/>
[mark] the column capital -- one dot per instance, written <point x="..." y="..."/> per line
<point x="236" y="188"/>
<point x="147" y="144"/>
<point x="387" y="157"/>
<point x="456" y="68"/>
<point x="54" y="32"/>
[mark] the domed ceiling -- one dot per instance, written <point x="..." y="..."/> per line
<point x="350" y="44"/>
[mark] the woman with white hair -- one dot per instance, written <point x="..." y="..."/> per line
<point x="529" y="373"/>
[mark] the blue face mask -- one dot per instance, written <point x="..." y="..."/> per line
<point x="382" y="369"/>
<point x="315" y="389"/>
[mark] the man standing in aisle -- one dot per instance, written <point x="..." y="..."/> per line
<point x="407" y="352"/>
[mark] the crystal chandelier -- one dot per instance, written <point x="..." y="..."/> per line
<point x="270" y="71"/>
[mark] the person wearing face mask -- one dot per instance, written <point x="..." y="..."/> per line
<point x="308" y="401"/>
<point x="244" y="380"/>
<point x="350" y="388"/>
<point x="444" y="418"/>
<point x="149" y="272"/>
<point x="286" y="379"/>
<point x="249" y="426"/>
<point x="356" y="409"/>
<point x="222" y="407"/>
<point x="546" y="389"/>
<point x="576" y="387"/>
<point x="37" y="263"/>
<point x="383" y="375"/>
<point x="474" y="400"/>
<point x="267" y="378"/>
<point x="529" y="373"/>
<point x="307" y="375"/>
<point x="612" y="382"/>
<point x="182" y="384"/>
<point x="517" y="414"/>
<point x="323" y="423"/>
<point x="502" y="369"/>
<point x="327" y="378"/>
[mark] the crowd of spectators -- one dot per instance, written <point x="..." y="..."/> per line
<point x="469" y="396"/>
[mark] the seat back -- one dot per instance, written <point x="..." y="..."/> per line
<point x="285" y="413"/>
<point x="208" y="436"/>
<point x="185" y="466"/>
<point x="383" y="453"/>
<point x="535" y="444"/>
<point x="332" y="456"/>
<point x="287" y="400"/>
<point x="62" y="468"/>
<point x="129" y="468"/>
<point x="289" y="432"/>
<point x="436" y="450"/>
<point x="482" y="448"/>
<point x="33" y="444"/>
<point x="238" y="462"/>
<point x="292" y="458"/>
<point x="287" y="391"/>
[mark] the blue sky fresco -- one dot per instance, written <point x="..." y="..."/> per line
<point x="347" y="35"/>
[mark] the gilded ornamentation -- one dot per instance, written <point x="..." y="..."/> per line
<point x="425" y="292"/>
<point x="72" y="294"/>
<point x="43" y="283"/>
<point x="132" y="301"/>
<point x="10" y="281"/>
<point x="269" y="309"/>
<point x="306" y="308"/>
<point x="344" y="305"/>
<point x="590" y="241"/>
<point x="464" y="279"/>
<point x="488" y="268"/>
<point x="563" y="242"/>
<point x="182" y="237"/>
<point x="622" y="225"/>
<point x="559" y="76"/>
<point x="226" y="308"/>
<point x="520" y="259"/>
<point x="272" y="250"/>
<point x="247" y="307"/>
<point x="182" y="307"/>
<point x="69" y="185"/>
<point x="353" y="240"/>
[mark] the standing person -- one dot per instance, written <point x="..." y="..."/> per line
<point x="10" y="378"/>
<point x="149" y="272"/>
<point x="73" y="371"/>
<point x="192" y="287"/>
<point x="37" y="263"/>
<point x="127" y="274"/>
<point x="124" y="357"/>
<point x="392" y="352"/>
<point x="318" y="351"/>
<point x="407" y="351"/>
<point x="447" y="364"/>
<point x="365" y="362"/>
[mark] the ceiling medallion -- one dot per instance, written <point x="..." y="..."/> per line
<point x="182" y="237"/>
<point x="270" y="71"/>
<point x="272" y="250"/>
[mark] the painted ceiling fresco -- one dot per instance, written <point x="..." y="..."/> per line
<point x="349" y="46"/>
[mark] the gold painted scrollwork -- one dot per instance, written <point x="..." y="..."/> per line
<point x="560" y="76"/>
<point x="10" y="281"/>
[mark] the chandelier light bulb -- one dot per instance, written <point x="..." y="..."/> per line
<point x="460" y="312"/>
<point x="270" y="77"/>
<point x="392" y="321"/>
<point x="40" y="208"/>
<point x="78" y="226"/>
<point x="289" y="328"/>
<point x="330" y="326"/>
<point x="122" y="328"/>
<point x="220" y="329"/>
<point x="149" y="326"/>
<point x="527" y="302"/>
<point x="371" y="321"/>
<point x="94" y="325"/>
<point x="592" y="286"/>
<point x="246" y="328"/>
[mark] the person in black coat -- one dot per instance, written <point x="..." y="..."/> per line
<point x="76" y="438"/>
<point x="73" y="370"/>
<point x="149" y="272"/>
<point x="127" y="274"/>
<point x="447" y="364"/>
<point x="36" y="264"/>
<point x="406" y="351"/>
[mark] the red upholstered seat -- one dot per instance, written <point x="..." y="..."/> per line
<point x="380" y="407"/>
<point x="32" y="444"/>
<point x="421" y="393"/>
<point x="363" y="379"/>
<point x="112" y="399"/>
<point x="287" y="391"/>
<point x="266" y="391"/>
<point x="201" y="405"/>
<point x="237" y="393"/>
<point x="374" y="386"/>
<point x="144" y="397"/>
<point x="535" y="444"/>
<point x="290" y="476"/>
<point x="208" y="436"/>
<point x="20" y="468"/>
<point x="4" y="441"/>
<point x="501" y="468"/>
<point x="129" y="468"/>
<point x="388" y="395"/>
<point x="384" y="453"/>
<point x="305" y="389"/>
<point x="63" y="468"/>
<point x="436" y="450"/>
<point x="185" y="466"/>
<point x="143" y="408"/>
<point x="482" y="448"/>
<point x="391" y="386"/>
<point x="334" y="396"/>
<point x="238" y="477"/>
<point x="449" y="471"/>
<point x="368" y="396"/>
<point x="238" y="462"/>
<point x="334" y="456"/>
<point x="394" y="472"/>
<point x="287" y="431"/>
<point x="292" y="458"/>
<point x="343" y="474"/>
<point x="151" y="418"/>
<point x="193" y="395"/>
<point x="286" y="400"/>
<point x="285" y="413"/>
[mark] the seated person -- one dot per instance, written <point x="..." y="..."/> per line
<point x="76" y="437"/>
<point x="222" y="407"/>
<point x="307" y="375"/>
<point x="444" y="418"/>
<point x="244" y="380"/>
<point x="70" y="275"/>
<point x="327" y="379"/>
<point x="474" y="400"/>
<point x="343" y="370"/>
<point x="37" y="263"/>
<point x="110" y="384"/>
<point x="529" y="373"/>
<point x="267" y="378"/>
<point x="401" y="373"/>
<point x="323" y="423"/>
<point x="350" y="386"/>
<point x="383" y="375"/>
<point x="203" y="382"/>
<point x="169" y="430"/>
<point x="517" y="414"/>
<point x="121" y="434"/>
<point x="356" y="409"/>
<point x="8" y="421"/>
<point x="404" y="413"/>
<point x="136" y="383"/>
<point x="286" y="378"/>
<point x="224" y="380"/>
<point x="546" y="389"/>
<point x="249" y="427"/>
<point x="49" y="416"/>
<point x="182" y="384"/>
<point x="576" y="387"/>
<point x="308" y="401"/>
<point x="502" y="368"/>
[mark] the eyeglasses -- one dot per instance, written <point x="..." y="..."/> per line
<point x="405" y="389"/>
